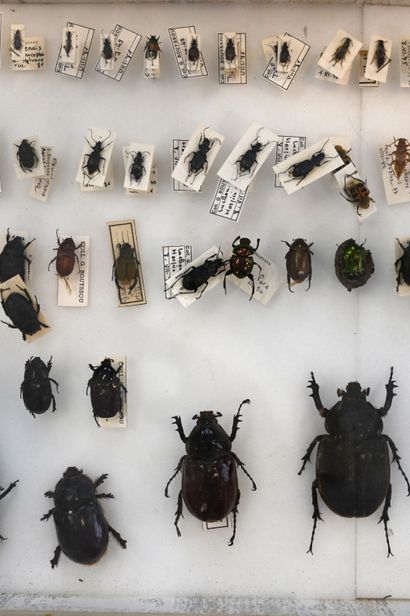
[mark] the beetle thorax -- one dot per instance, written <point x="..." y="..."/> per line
<point x="208" y="439"/>
<point x="73" y="490"/>
<point x="353" y="416"/>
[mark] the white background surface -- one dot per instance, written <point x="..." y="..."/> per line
<point x="222" y="349"/>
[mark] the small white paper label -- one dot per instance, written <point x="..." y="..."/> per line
<point x="33" y="55"/>
<point x="324" y="75"/>
<point x="297" y="51"/>
<point x="73" y="289"/>
<point x="124" y="43"/>
<point x="181" y="41"/>
<point x="28" y="158"/>
<point x="40" y="187"/>
<point x="95" y="159"/>
<point x="228" y="201"/>
<point x="16" y="285"/>
<point x="267" y="279"/>
<point x="84" y="38"/>
<point x="178" y="148"/>
<point x="286" y="147"/>
<point x="232" y="63"/>
<point x="405" y="63"/>
<point x="378" y="59"/>
<point x="175" y="259"/>
<point x="248" y="156"/>
<point x="397" y="190"/>
<point x="340" y="53"/>
<point x="214" y="525"/>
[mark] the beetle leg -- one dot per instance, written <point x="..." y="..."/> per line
<point x="390" y="387"/>
<point x="55" y="383"/>
<point x="104" y="495"/>
<point x="234" y="513"/>
<point x="117" y="536"/>
<point x="9" y="489"/>
<point x="385" y="518"/>
<point x="177" y="469"/>
<point x="56" y="557"/>
<point x="242" y="465"/>
<point x="178" y="513"/>
<point x="203" y="289"/>
<point x="100" y="480"/>
<point x="47" y="515"/>
<point x="310" y="281"/>
<point x="250" y="276"/>
<point x="227" y="273"/>
<point x="306" y="457"/>
<point x="9" y="325"/>
<point x="237" y="420"/>
<point x="49" y="494"/>
<point x="180" y="428"/>
<point x="397" y="458"/>
<point x="316" y="396"/>
<point x="54" y="403"/>
<point x="52" y="261"/>
<point x="316" y="515"/>
<point x="96" y="420"/>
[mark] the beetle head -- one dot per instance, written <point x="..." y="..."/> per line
<point x="353" y="390"/>
<point x="206" y="416"/>
<point x="72" y="471"/>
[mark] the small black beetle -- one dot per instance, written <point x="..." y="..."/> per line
<point x="17" y="40"/>
<point x="209" y="480"/>
<point x="82" y="530"/>
<point x="107" y="391"/>
<point x="299" y="171"/>
<point x="284" y="56"/>
<point x="152" y="47"/>
<point x="230" y="52"/>
<point x="402" y="265"/>
<point x="198" y="160"/>
<point x="22" y="311"/>
<point x="193" y="52"/>
<point x="36" y="387"/>
<point x="248" y="161"/>
<point x="13" y="258"/>
<point x="352" y="464"/>
<point x="137" y="168"/>
<point x="242" y="262"/>
<point x="107" y="52"/>
<point x="197" y="276"/>
<point x="26" y="156"/>
<point x="95" y="159"/>
<point x="298" y="261"/>
<point x="68" y="45"/>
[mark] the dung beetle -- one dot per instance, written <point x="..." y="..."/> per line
<point x="352" y="463"/>
<point x="402" y="265"/>
<point x="380" y="57"/>
<point x="66" y="258"/>
<point x="137" y="168"/>
<point x="106" y="390"/>
<point x="36" y="387"/>
<point x="400" y="156"/>
<point x="94" y="160"/>
<point x="26" y="156"/>
<point x="339" y="56"/>
<point x="298" y="261"/>
<point x="198" y="276"/>
<point x="82" y="530"/>
<point x="107" y="52"/>
<point x="193" y="52"/>
<point x="242" y="262"/>
<point x="230" y="52"/>
<point x="357" y="192"/>
<point x="13" y="258"/>
<point x="125" y="268"/>
<point x="198" y="160"/>
<point x="353" y="264"/>
<point x="3" y="494"/>
<point x="248" y="161"/>
<point x="68" y="45"/>
<point x="209" y="479"/>
<point x="152" y="47"/>
<point x="299" y="171"/>
<point x="22" y="311"/>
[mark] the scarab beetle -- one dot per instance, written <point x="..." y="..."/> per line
<point x="400" y="157"/>
<point x="242" y="262"/>
<point x="339" y="56"/>
<point x="65" y="258"/>
<point x="197" y="277"/>
<point x="27" y="156"/>
<point x="152" y="47"/>
<point x="198" y="160"/>
<point x="357" y="192"/>
<point x="36" y="387"/>
<point x="193" y="52"/>
<point x="125" y="268"/>
<point x="352" y="463"/>
<point x="353" y="264"/>
<point x="82" y="530"/>
<point x="298" y="262"/>
<point x="299" y="171"/>
<point x="3" y="494"/>
<point x="247" y="163"/>
<point x="137" y="168"/>
<point x="94" y="162"/>
<point x="402" y="265"/>
<point x="106" y="390"/>
<point x="230" y="52"/>
<point x="209" y="479"/>
<point x="13" y="258"/>
<point x="22" y="311"/>
<point x="380" y="57"/>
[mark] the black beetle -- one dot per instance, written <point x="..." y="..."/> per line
<point x="82" y="530"/>
<point x="68" y="45"/>
<point x="380" y="57"/>
<point x="209" y="480"/>
<point x="36" y="387"/>
<point x="22" y="311"/>
<point x="107" y="52"/>
<point x="298" y="261"/>
<point x="13" y="258"/>
<point x="341" y="51"/>
<point x="402" y="265"/>
<point x="152" y="47"/>
<point x="353" y="264"/>
<point x="198" y="160"/>
<point x="299" y="171"/>
<point x="284" y="56"/>
<point x="107" y="391"/>
<point x="17" y="40"/>
<point x="125" y="268"/>
<point x="230" y="52"/>
<point x="193" y="52"/>
<point x="26" y="156"/>
<point x="197" y="276"/>
<point x="247" y="163"/>
<point x="3" y="494"/>
<point x="352" y="464"/>
<point x="137" y="167"/>
<point x="92" y="161"/>
<point x="242" y="262"/>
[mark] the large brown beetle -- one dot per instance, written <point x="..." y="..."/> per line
<point x="209" y="480"/>
<point x="298" y="262"/>
<point x="65" y="258"/>
<point x="125" y="269"/>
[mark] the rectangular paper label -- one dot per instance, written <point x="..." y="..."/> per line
<point x="286" y="147"/>
<point x="214" y="525"/>
<point x="363" y="81"/>
<point x="405" y="63"/>
<point x="175" y="259"/>
<point x="180" y="39"/>
<point x="397" y="190"/>
<point x="40" y="187"/>
<point x="298" y="51"/>
<point x="338" y="56"/>
<point x="83" y="45"/>
<point x="16" y="285"/>
<point x="124" y="232"/>
<point x="232" y="71"/>
<point x="267" y="277"/>
<point x="228" y="201"/>
<point x="178" y="148"/>
<point x="379" y="53"/>
<point x="73" y="290"/>
<point x="32" y="56"/>
<point x="125" y="42"/>
<point x="324" y="75"/>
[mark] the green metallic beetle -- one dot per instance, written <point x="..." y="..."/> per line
<point x="353" y="264"/>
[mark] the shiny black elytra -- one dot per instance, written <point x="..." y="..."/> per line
<point x="26" y="156"/>
<point x="13" y="258"/>
<point x="106" y="390"/>
<point x="22" y="311"/>
<point x="36" y="387"/>
<point x="402" y="265"/>
<point x="284" y="56"/>
<point x="299" y="171"/>
<point x="198" y="160"/>
<point x="137" y="168"/>
<point x="94" y="160"/>
<point x="380" y="57"/>
<point x="198" y="276"/>
<point x="242" y="262"/>
<point x="209" y="479"/>
<point x="352" y="463"/>
<point x="82" y="530"/>
<point x="230" y="53"/>
<point x="247" y="163"/>
<point x="107" y="52"/>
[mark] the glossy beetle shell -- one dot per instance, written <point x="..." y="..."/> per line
<point x="353" y="264"/>
<point x="36" y="386"/>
